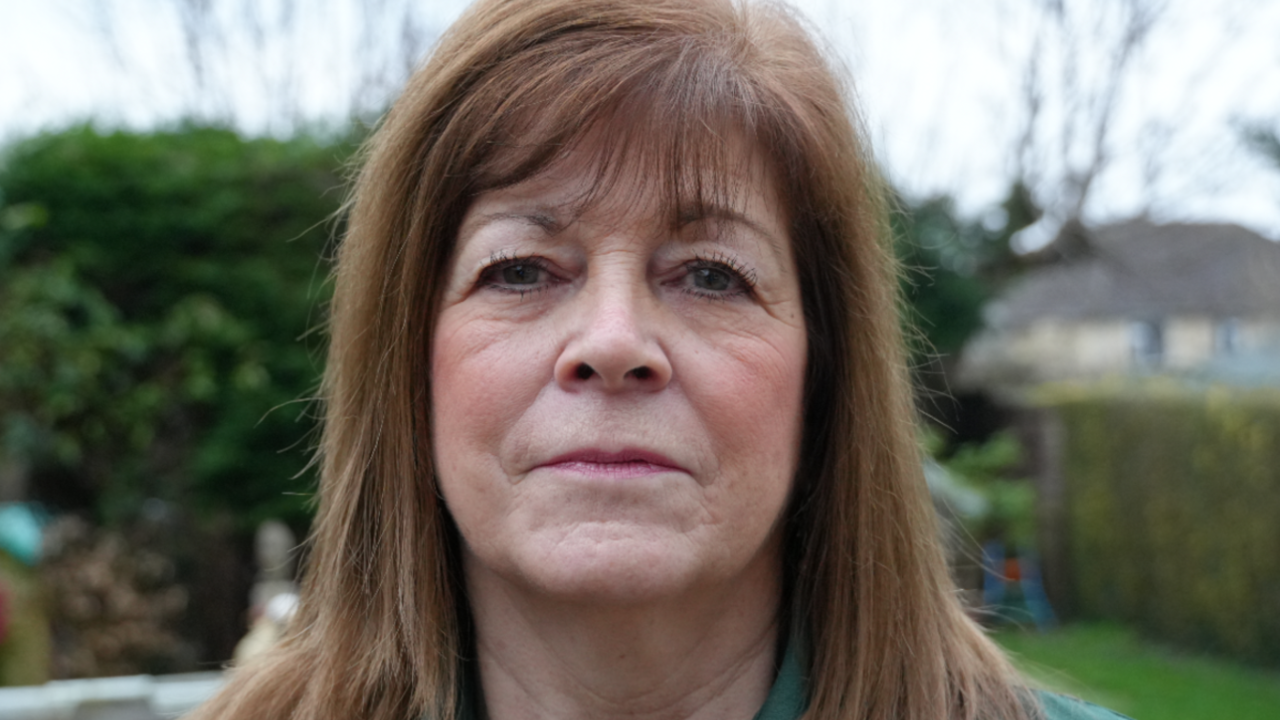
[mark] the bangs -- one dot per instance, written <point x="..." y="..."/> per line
<point x="673" y="113"/>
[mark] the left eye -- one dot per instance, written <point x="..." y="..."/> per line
<point x="715" y="279"/>
<point x="711" y="278"/>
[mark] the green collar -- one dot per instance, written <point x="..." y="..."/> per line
<point x="786" y="700"/>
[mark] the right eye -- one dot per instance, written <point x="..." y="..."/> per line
<point x="521" y="274"/>
<point x="517" y="275"/>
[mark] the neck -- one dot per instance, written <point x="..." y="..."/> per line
<point x="708" y="653"/>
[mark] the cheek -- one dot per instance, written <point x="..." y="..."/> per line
<point x="750" y="396"/>
<point x="483" y="378"/>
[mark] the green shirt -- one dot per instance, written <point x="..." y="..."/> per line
<point x="1063" y="707"/>
<point x="786" y="698"/>
<point x="787" y="701"/>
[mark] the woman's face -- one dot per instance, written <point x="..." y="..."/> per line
<point x="616" y="394"/>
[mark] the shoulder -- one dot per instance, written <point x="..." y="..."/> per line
<point x="1065" y="707"/>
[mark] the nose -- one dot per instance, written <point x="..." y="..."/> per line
<point x="615" y="345"/>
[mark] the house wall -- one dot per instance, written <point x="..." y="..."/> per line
<point x="1260" y="334"/>
<point x="1188" y="341"/>
<point x="1192" y="341"/>
<point x="1054" y="349"/>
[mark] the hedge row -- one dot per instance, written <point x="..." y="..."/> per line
<point x="1173" y="510"/>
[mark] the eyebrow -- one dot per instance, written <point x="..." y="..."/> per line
<point x="712" y="211"/>
<point x="547" y="219"/>
<point x="542" y="218"/>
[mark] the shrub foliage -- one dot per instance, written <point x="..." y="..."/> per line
<point x="157" y="291"/>
<point x="1174" y="515"/>
<point x="153" y="292"/>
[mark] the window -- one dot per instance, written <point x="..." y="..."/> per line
<point x="1146" y="337"/>
<point x="1226" y="337"/>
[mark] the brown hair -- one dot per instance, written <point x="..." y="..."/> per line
<point x="383" y="623"/>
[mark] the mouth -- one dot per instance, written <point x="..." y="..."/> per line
<point x="625" y="463"/>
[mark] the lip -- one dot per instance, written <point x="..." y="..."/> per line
<point x="625" y="463"/>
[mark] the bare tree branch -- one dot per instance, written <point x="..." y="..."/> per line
<point x="266" y="63"/>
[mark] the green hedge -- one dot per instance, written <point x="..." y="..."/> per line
<point x="158" y="297"/>
<point x="154" y="292"/>
<point x="1173" y="510"/>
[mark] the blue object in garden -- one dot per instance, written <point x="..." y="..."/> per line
<point x="20" y="531"/>
<point x="1028" y="596"/>
<point x="992" y="574"/>
<point x="1034" y="596"/>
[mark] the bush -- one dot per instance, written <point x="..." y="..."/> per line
<point x="1173" y="510"/>
<point x="114" y="604"/>
<point x="153" y="290"/>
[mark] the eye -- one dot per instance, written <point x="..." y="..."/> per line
<point x="712" y="278"/>
<point x="517" y="275"/>
<point x="521" y="273"/>
<point x="719" y="278"/>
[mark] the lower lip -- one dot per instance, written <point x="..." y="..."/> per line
<point x="612" y="470"/>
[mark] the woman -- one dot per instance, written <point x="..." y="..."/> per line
<point x="616" y="415"/>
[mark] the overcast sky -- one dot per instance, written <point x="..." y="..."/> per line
<point x="941" y="85"/>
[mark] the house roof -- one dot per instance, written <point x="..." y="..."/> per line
<point x="1139" y="270"/>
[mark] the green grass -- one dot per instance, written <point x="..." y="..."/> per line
<point x="1111" y="666"/>
<point x="24" y="654"/>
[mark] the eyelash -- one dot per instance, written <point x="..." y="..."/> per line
<point x="715" y="261"/>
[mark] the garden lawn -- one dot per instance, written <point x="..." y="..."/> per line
<point x="1109" y="665"/>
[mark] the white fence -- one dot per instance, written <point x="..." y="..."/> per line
<point x="136" y="697"/>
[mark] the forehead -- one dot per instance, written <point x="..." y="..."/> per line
<point x="617" y="170"/>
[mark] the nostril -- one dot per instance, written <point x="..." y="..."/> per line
<point x="584" y="371"/>
<point x="641" y="373"/>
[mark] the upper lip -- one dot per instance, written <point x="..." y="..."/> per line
<point x="596" y="455"/>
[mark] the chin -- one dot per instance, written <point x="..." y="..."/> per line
<point x="603" y="565"/>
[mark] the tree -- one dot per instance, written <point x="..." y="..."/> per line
<point x="1106" y="102"/>
<point x="157" y="292"/>
<point x="273" y="66"/>
<point x="1265" y="142"/>
<point x="952" y="266"/>
<point x="150" y="323"/>
<point x="1071" y="104"/>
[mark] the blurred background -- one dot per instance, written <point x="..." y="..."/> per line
<point x="1088" y="211"/>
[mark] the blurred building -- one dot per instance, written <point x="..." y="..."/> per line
<point x="1135" y="297"/>
<point x="1196" y="304"/>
